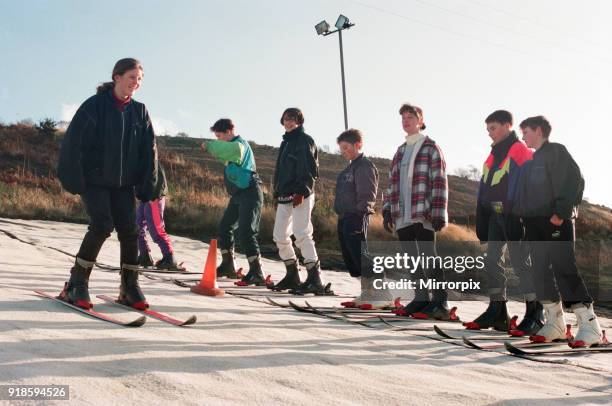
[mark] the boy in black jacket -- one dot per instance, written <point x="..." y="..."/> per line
<point x="550" y="189"/>
<point x="355" y="197"/>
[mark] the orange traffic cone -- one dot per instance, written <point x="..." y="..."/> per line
<point x="208" y="285"/>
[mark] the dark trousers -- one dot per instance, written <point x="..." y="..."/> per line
<point x="416" y="240"/>
<point x="554" y="262"/>
<point x="352" y="235"/>
<point x="519" y="258"/>
<point x="108" y="209"/>
<point x="243" y="212"/>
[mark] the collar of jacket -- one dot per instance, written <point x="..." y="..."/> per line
<point x="503" y="147"/>
<point x="544" y="145"/>
<point x="111" y="99"/>
<point x="293" y="134"/>
<point x="359" y="157"/>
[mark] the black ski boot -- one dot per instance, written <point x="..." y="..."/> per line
<point x="313" y="283"/>
<point x="145" y="259"/>
<point x="76" y="290"/>
<point x="496" y="316"/>
<point x="167" y="262"/>
<point x="291" y="279"/>
<point x="436" y="310"/>
<point x="255" y="275"/>
<point x="420" y="301"/>
<point x="227" y="267"/>
<point x="532" y="321"/>
<point x="129" y="291"/>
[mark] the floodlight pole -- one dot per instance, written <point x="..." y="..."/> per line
<point x="343" y="84"/>
<point x="339" y="31"/>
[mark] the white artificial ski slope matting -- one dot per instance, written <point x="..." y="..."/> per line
<point x="246" y="352"/>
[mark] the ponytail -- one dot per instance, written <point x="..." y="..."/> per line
<point x="104" y="87"/>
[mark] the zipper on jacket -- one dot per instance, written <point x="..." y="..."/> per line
<point x="121" y="149"/>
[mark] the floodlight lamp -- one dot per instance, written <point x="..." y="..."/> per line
<point x="322" y="27"/>
<point x="342" y="22"/>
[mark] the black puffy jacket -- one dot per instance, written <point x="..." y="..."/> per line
<point x="297" y="166"/>
<point x="107" y="147"/>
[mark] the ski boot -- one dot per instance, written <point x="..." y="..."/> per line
<point x="589" y="330"/>
<point x="437" y="309"/>
<point x="373" y="298"/>
<point x="129" y="291"/>
<point x="532" y="321"/>
<point x="145" y="260"/>
<point x="76" y="290"/>
<point x="554" y="328"/>
<point x="313" y="283"/>
<point x="420" y="301"/>
<point x="291" y="279"/>
<point x="358" y="300"/>
<point x="227" y="268"/>
<point x="495" y="316"/>
<point x="167" y="262"/>
<point x="255" y="275"/>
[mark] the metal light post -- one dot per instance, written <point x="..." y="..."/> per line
<point x="323" y="29"/>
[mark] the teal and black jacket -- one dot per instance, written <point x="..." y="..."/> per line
<point x="240" y="170"/>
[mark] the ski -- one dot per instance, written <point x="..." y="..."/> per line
<point x="313" y="310"/>
<point x="556" y="351"/>
<point x="98" y="315"/>
<point x="267" y="293"/>
<point x="390" y="322"/>
<point x="274" y="303"/>
<point x="152" y="313"/>
<point x="517" y="344"/>
<point x="181" y="270"/>
<point x="493" y="335"/>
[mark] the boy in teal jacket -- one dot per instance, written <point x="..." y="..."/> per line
<point x="244" y="208"/>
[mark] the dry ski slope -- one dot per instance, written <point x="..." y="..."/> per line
<point x="242" y="351"/>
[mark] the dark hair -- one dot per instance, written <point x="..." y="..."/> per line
<point x="293" y="113"/>
<point x="417" y="111"/>
<point x="352" y="136"/>
<point x="538" y="121"/>
<point x="499" y="116"/>
<point x="222" y="125"/>
<point x="122" y="66"/>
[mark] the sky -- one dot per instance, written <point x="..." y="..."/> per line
<point x="249" y="60"/>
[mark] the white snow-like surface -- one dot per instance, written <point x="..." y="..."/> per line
<point x="246" y="352"/>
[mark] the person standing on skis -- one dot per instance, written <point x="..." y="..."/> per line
<point x="415" y="208"/>
<point x="150" y="216"/>
<point x="109" y="157"/>
<point x="355" y="197"/>
<point x="498" y="226"/>
<point x="246" y="199"/>
<point x="550" y="191"/>
<point x="297" y="168"/>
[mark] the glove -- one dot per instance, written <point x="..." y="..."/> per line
<point x="297" y="200"/>
<point x="388" y="221"/>
<point x="438" y="224"/>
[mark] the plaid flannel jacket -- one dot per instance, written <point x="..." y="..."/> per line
<point x="429" y="185"/>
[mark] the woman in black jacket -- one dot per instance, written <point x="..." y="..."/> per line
<point x="109" y="157"/>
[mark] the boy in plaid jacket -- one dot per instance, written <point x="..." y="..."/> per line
<point x="415" y="207"/>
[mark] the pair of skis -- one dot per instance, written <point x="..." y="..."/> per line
<point x="106" y="317"/>
<point x="520" y="345"/>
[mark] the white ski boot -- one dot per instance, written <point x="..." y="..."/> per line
<point x="372" y="297"/>
<point x="554" y="328"/>
<point x="589" y="330"/>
